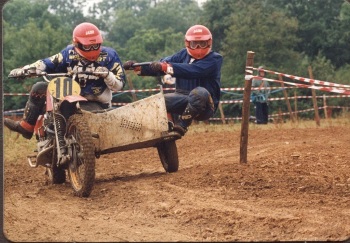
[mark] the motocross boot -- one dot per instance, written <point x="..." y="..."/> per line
<point x="27" y="124"/>
<point x="185" y="120"/>
<point x="21" y="127"/>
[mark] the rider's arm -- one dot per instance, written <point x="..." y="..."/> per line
<point x="147" y="71"/>
<point x="48" y="64"/>
<point x="115" y="79"/>
<point x="204" y="68"/>
<point x="58" y="62"/>
<point x="39" y="66"/>
<point x="182" y="68"/>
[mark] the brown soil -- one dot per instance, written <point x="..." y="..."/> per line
<point x="295" y="186"/>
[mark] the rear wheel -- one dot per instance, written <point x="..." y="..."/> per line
<point x="168" y="156"/>
<point x="81" y="168"/>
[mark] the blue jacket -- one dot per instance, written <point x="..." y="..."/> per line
<point x="68" y="58"/>
<point x="205" y="72"/>
<point x="262" y="94"/>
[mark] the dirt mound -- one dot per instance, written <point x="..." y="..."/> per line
<point x="295" y="186"/>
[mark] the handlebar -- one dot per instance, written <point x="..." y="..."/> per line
<point x="140" y="64"/>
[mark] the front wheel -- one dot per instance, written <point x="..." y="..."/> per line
<point x="56" y="175"/>
<point x="168" y="156"/>
<point x="81" y="168"/>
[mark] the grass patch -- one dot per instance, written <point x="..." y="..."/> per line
<point x="16" y="148"/>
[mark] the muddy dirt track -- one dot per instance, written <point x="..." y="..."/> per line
<point x="295" y="186"/>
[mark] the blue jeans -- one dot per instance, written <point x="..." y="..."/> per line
<point x="199" y="99"/>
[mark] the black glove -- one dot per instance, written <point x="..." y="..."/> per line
<point x="128" y="65"/>
<point x="158" y="66"/>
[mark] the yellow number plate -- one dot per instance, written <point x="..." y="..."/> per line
<point x="62" y="86"/>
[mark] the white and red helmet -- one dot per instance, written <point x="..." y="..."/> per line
<point x="87" y="40"/>
<point x="198" y="41"/>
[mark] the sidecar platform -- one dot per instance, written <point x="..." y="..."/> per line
<point x="140" y="124"/>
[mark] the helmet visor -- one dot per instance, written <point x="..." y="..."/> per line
<point x="198" y="44"/>
<point x="89" y="47"/>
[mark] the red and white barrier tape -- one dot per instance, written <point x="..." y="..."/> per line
<point x="236" y="101"/>
<point x="232" y="118"/>
<point x="274" y="115"/>
<point x="16" y="94"/>
<point x="309" y="97"/>
<point x="152" y="90"/>
<point x="13" y="111"/>
<point x="282" y="98"/>
<point x="308" y="80"/>
<point x="326" y="89"/>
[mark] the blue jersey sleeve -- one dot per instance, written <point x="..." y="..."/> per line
<point x="60" y="61"/>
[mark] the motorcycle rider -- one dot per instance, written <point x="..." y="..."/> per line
<point x="197" y="70"/>
<point x="86" y="53"/>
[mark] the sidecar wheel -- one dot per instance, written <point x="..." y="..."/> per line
<point x="81" y="168"/>
<point x="168" y="156"/>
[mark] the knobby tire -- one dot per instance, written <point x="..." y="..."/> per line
<point x="82" y="178"/>
<point x="167" y="152"/>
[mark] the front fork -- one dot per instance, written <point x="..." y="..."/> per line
<point x="60" y="130"/>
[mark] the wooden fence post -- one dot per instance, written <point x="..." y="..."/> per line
<point x="131" y="86"/>
<point x="295" y="106"/>
<point x="246" y="106"/>
<point x="286" y="99"/>
<point x="325" y="106"/>
<point x="314" y="100"/>
<point x="222" y="114"/>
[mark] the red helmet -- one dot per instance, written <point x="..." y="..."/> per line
<point x="87" y="40"/>
<point x="198" y="41"/>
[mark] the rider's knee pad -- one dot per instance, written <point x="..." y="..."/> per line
<point x="198" y="99"/>
<point x="37" y="94"/>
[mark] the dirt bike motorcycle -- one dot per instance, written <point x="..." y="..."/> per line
<point x="73" y="132"/>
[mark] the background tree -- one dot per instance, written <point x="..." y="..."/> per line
<point x="321" y="28"/>
<point x="149" y="32"/>
<point x="70" y="12"/>
<point x="287" y="36"/>
<point x="28" y="41"/>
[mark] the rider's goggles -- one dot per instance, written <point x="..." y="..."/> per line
<point x="89" y="47"/>
<point x="198" y="44"/>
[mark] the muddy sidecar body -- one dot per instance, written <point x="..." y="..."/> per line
<point x="140" y="124"/>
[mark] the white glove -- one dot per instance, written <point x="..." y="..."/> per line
<point x="35" y="68"/>
<point x="101" y="72"/>
<point x="17" y="72"/>
<point x="32" y="69"/>
<point x="248" y="77"/>
<point x="115" y="82"/>
<point x="80" y="68"/>
<point x="168" y="79"/>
